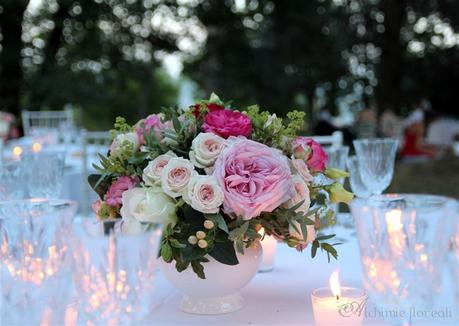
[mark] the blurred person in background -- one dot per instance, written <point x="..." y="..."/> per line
<point x="414" y="148"/>
<point x="325" y="125"/>
<point x="390" y="125"/>
<point x="366" y="125"/>
<point x="442" y="131"/>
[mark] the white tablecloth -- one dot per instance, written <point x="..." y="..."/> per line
<point x="282" y="297"/>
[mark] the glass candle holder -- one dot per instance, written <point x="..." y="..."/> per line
<point x="114" y="273"/>
<point x="346" y="309"/>
<point x="403" y="241"/>
<point x="34" y="260"/>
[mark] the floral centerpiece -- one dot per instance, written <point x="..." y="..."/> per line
<point x="214" y="176"/>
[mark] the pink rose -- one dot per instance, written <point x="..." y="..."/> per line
<point x="311" y="152"/>
<point x="302" y="169"/>
<point x="153" y="121"/>
<point x="226" y="123"/>
<point x="254" y="178"/>
<point x="113" y="197"/>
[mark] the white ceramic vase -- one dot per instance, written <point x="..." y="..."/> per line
<point x="219" y="292"/>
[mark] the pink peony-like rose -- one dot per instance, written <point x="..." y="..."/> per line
<point x="302" y="169"/>
<point x="311" y="152"/>
<point x="113" y="197"/>
<point x="153" y="121"/>
<point x="226" y="123"/>
<point x="254" y="178"/>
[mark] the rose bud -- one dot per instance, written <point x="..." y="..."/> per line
<point x="208" y="224"/>
<point x="202" y="244"/>
<point x="200" y="235"/>
<point x="192" y="240"/>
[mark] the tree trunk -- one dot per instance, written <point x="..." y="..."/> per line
<point x="11" y="76"/>
<point x="390" y="68"/>
<point x="40" y="91"/>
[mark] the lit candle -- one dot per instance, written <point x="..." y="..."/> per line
<point x="395" y="231"/>
<point x="269" y="246"/>
<point x="338" y="305"/>
<point x="36" y="147"/>
<point x="17" y="151"/>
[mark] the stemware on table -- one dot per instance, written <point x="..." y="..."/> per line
<point x="403" y="243"/>
<point x="45" y="171"/>
<point x="376" y="162"/>
<point x="113" y="272"/>
<point x="12" y="179"/>
<point x="34" y="262"/>
<point x="355" y="180"/>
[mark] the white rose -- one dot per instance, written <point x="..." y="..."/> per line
<point x="176" y="175"/>
<point x="204" y="194"/>
<point x="147" y="205"/>
<point x="117" y="144"/>
<point x="152" y="172"/>
<point x="301" y="194"/>
<point x="300" y="167"/>
<point x="205" y="149"/>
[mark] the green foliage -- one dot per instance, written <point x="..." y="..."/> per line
<point x="176" y="247"/>
<point x="275" y="131"/>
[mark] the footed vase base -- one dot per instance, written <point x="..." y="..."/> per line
<point x="212" y="306"/>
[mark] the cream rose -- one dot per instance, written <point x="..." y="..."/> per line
<point x="128" y="138"/>
<point x="205" y="149"/>
<point x="146" y="205"/>
<point x="152" y="172"/>
<point x="204" y="194"/>
<point x="300" y="167"/>
<point x="176" y="175"/>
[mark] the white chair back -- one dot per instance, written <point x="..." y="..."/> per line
<point x="331" y="142"/>
<point x="93" y="142"/>
<point x="46" y="120"/>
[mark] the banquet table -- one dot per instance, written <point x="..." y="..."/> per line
<point x="282" y="297"/>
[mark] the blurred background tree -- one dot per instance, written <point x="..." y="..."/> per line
<point x="115" y="57"/>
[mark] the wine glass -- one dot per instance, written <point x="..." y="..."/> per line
<point x="114" y="273"/>
<point x="12" y="181"/>
<point x="34" y="260"/>
<point x="355" y="179"/>
<point x="45" y="171"/>
<point x="376" y="162"/>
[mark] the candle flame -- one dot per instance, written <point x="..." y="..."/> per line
<point x="394" y="220"/>
<point x="17" y="151"/>
<point x="36" y="147"/>
<point x="334" y="284"/>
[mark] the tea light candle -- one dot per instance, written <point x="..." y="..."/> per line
<point x="17" y="152"/>
<point x="269" y="246"/>
<point x="338" y="305"/>
<point x="36" y="147"/>
<point x="395" y="231"/>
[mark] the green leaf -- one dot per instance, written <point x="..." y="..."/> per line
<point x="239" y="246"/>
<point x="99" y="183"/>
<point x="330" y="250"/>
<point x="219" y="221"/>
<point x="240" y="231"/>
<point x="224" y="253"/>
<point x="176" y="244"/>
<point x="181" y="265"/>
<point x="166" y="252"/>
<point x="198" y="269"/>
<point x="176" y="123"/>
<point x="325" y="237"/>
<point x="315" y="245"/>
